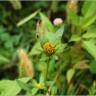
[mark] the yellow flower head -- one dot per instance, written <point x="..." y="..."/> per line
<point x="40" y="86"/>
<point x="49" y="48"/>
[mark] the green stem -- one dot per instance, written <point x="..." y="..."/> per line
<point x="47" y="66"/>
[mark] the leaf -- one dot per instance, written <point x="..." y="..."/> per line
<point x="9" y="44"/>
<point x="56" y="36"/>
<point x="60" y="47"/>
<point x="90" y="47"/>
<point x="59" y="32"/>
<point x="91" y="33"/>
<point x="85" y="23"/>
<point x="36" y="49"/>
<point x="89" y="8"/>
<point x="3" y="59"/>
<point x="47" y="22"/>
<point x="85" y="7"/>
<point x="75" y="37"/>
<point x="89" y="14"/>
<point x="70" y="74"/>
<point x="24" y="86"/>
<point x="34" y="91"/>
<point x="54" y="90"/>
<point x="26" y="19"/>
<point x="10" y="87"/>
<point x="93" y="67"/>
<point x="41" y="79"/>
<point x="75" y="19"/>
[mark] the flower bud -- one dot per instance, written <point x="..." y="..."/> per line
<point x="57" y="21"/>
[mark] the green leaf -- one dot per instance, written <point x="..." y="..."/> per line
<point x="93" y="67"/>
<point x="90" y="46"/>
<point x="91" y="33"/>
<point x="89" y="8"/>
<point x="70" y="74"/>
<point x="89" y="14"/>
<point x="60" y="47"/>
<point x="34" y="91"/>
<point x="47" y="22"/>
<point x="59" y="32"/>
<point x="24" y="86"/>
<point x="36" y="49"/>
<point x="4" y="36"/>
<point x="9" y="44"/>
<point x="75" y="19"/>
<point x="3" y="59"/>
<point x="11" y="87"/>
<point x="41" y="79"/>
<point x="85" y="23"/>
<point x="75" y="37"/>
<point x="26" y="19"/>
<point x="54" y="90"/>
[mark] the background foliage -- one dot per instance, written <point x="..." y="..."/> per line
<point x="25" y="69"/>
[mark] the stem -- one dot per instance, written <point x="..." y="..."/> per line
<point x="47" y="66"/>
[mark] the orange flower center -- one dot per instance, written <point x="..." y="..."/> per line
<point x="49" y="48"/>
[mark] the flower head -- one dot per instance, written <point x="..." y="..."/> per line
<point x="49" y="48"/>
